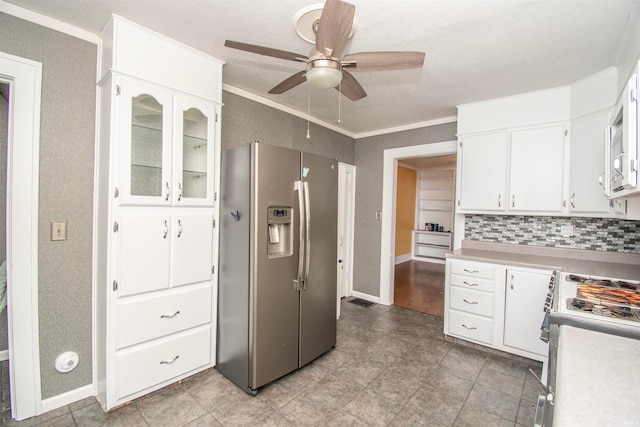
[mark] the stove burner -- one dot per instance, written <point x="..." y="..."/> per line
<point x="612" y="283"/>
<point x="604" y="310"/>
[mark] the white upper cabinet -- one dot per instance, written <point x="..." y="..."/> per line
<point x="194" y="152"/>
<point x="483" y="172"/>
<point x="537" y="169"/>
<point x="588" y="159"/>
<point x="512" y="171"/>
<point x="168" y="144"/>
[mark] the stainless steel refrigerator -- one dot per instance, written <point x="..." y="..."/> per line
<point x="278" y="258"/>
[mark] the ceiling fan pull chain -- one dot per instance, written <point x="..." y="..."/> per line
<point x="339" y="122"/>
<point x="308" y="109"/>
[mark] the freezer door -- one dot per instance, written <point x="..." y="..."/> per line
<point x="274" y="300"/>
<point x="318" y="298"/>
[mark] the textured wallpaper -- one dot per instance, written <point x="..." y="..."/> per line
<point x="597" y="234"/>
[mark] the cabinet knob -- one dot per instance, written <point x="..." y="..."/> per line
<point x="469" y="302"/>
<point x="167" y="192"/>
<point x="571" y="200"/>
<point x="471" y="328"/>
<point x="513" y="201"/>
<point x="499" y="200"/>
<point x="166" y="229"/>
<point x="179" y="228"/>
<point x="179" y="191"/>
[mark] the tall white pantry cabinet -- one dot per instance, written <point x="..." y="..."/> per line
<point x="157" y="180"/>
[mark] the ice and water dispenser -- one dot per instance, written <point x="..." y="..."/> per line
<point x="280" y="238"/>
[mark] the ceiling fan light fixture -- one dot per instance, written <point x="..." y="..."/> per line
<point x="324" y="74"/>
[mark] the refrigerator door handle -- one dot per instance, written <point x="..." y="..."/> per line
<point x="299" y="188"/>
<point x="307" y="249"/>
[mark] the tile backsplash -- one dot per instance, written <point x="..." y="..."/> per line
<point x="598" y="234"/>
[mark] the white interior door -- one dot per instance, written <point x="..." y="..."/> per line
<point x="346" y="218"/>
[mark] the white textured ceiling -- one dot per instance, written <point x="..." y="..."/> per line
<point x="475" y="49"/>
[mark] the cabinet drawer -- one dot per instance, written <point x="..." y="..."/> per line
<point x="149" y="364"/>
<point x="471" y="301"/>
<point x="470" y="326"/>
<point x="438" y="239"/>
<point x="148" y="318"/>
<point x="473" y="269"/>
<point x="474" y="283"/>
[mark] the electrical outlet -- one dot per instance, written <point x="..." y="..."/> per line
<point x="566" y="230"/>
<point x="378" y="215"/>
<point x="58" y="230"/>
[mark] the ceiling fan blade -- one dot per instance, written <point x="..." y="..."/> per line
<point x="380" y="61"/>
<point x="334" y="27"/>
<point x="276" y="53"/>
<point x="350" y="87"/>
<point x="289" y="83"/>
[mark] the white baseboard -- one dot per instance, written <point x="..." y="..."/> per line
<point x="365" y="297"/>
<point x="431" y="260"/>
<point x="63" y="399"/>
<point x="403" y="258"/>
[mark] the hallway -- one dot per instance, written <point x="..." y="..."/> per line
<point x="420" y="286"/>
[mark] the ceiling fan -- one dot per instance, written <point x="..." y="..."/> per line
<point x="326" y="67"/>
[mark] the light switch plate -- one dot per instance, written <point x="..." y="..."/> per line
<point x="58" y="230"/>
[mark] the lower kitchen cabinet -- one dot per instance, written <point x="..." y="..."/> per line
<point x="525" y="293"/>
<point x="497" y="306"/>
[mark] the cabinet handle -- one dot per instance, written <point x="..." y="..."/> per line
<point x="469" y="302"/>
<point x="471" y="271"/>
<point x="169" y="362"/>
<point x="513" y="201"/>
<point x="170" y="316"/>
<point x="511" y="282"/>
<point x="179" y="228"/>
<point x="471" y="328"/>
<point x="571" y="200"/>
<point x="499" y="200"/>
<point x="166" y="229"/>
<point x="167" y="192"/>
<point x="469" y="284"/>
<point x="179" y="191"/>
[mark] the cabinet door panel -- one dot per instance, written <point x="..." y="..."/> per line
<point x="145" y="129"/>
<point x="588" y="160"/>
<point x="483" y="172"/>
<point x="192" y="248"/>
<point x="144" y="253"/>
<point x="525" y="296"/>
<point x="194" y="152"/>
<point x="537" y="162"/>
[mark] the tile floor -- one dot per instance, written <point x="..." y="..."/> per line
<point x="391" y="366"/>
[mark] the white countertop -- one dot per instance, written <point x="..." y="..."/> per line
<point x="596" y="263"/>
<point x="597" y="379"/>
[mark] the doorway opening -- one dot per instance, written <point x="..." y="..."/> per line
<point x="392" y="158"/>
<point x="425" y="190"/>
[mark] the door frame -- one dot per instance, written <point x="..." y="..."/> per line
<point x="23" y="141"/>
<point x="389" y="179"/>
<point x="346" y="224"/>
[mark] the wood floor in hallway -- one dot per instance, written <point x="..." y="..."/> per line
<point x="420" y="286"/>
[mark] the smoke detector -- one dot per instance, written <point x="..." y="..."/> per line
<point x="306" y="22"/>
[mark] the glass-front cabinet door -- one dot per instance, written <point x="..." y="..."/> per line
<point x="193" y="153"/>
<point x="145" y="136"/>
